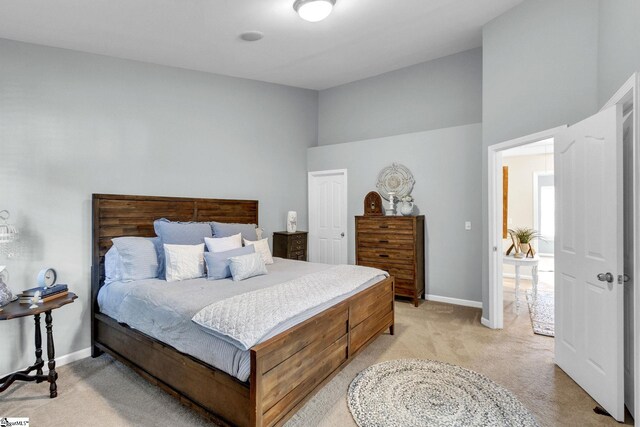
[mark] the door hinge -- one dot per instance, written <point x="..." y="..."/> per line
<point x="623" y="278"/>
<point x="495" y="249"/>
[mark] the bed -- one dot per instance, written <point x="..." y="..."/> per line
<point x="283" y="371"/>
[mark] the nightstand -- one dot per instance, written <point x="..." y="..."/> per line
<point x="15" y="310"/>
<point x="290" y="245"/>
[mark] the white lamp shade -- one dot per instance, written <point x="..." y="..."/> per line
<point x="314" y="10"/>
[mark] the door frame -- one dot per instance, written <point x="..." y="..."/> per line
<point x="494" y="171"/>
<point x="536" y="218"/>
<point x="345" y="198"/>
<point x="630" y="92"/>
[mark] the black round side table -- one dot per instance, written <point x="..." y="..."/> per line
<point x="16" y="310"/>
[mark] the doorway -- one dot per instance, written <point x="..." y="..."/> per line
<point x="328" y="216"/>
<point x="531" y="144"/>
<point x="529" y="217"/>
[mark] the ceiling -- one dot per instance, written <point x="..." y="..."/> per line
<point x="360" y="39"/>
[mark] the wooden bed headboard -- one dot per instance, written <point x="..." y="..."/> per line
<point x="119" y="215"/>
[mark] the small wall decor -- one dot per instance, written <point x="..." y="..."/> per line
<point x="373" y="204"/>
<point x="406" y="208"/>
<point x="292" y="221"/>
<point x="396" y="179"/>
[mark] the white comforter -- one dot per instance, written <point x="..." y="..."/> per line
<point x="243" y="320"/>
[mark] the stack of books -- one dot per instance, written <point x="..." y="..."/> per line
<point x="46" y="294"/>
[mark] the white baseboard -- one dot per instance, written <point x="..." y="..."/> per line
<point x="485" y="322"/>
<point x="72" y="357"/>
<point x="63" y="360"/>
<point x="455" y="301"/>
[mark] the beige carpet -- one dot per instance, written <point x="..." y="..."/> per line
<point x="102" y="392"/>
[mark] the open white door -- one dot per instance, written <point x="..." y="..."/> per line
<point x="589" y="257"/>
<point x="328" y="217"/>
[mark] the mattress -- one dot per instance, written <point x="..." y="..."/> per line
<point x="163" y="310"/>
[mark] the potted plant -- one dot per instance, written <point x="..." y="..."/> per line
<point x="525" y="236"/>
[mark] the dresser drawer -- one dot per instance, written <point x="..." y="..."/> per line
<point x="299" y="255"/>
<point x="382" y="223"/>
<point x="397" y="271"/>
<point x="387" y="255"/>
<point x="406" y="284"/>
<point x="298" y="238"/>
<point x="298" y="245"/>
<point x="405" y="292"/>
<point x="371" y="238"/>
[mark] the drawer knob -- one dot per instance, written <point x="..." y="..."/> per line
<point x="384" y="226"/>
<point x="383" y="256"/>
<point x="383" y="241"/>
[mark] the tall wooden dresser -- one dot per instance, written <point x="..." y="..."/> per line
<point x="394" y="244"/>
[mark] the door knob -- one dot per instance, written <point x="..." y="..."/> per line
<point x="342" y="234"/>
<point x="605" y="277"/>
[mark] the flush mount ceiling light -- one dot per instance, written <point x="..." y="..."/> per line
<point x="313" y="10"/>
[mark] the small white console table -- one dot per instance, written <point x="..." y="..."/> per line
<point x="523" y="262"/>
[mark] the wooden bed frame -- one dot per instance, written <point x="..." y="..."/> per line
<point x="286" y="370"/>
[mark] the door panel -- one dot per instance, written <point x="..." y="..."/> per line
<point x="327" y="217"/>
<point x="589" y="241"/>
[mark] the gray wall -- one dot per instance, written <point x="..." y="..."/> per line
<point x="619" y="45"/>
<point x="540" y="62"/>
<point x="446" y="166"/>
<point x="540" y="67"/>
<point x="436" y="94"/>
<point x="72" y="124"/>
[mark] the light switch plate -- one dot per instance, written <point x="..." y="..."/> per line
<point x="467" y="225"/>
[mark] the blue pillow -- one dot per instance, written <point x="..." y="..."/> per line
<point x="178" y="233"/>
<point x="221" y="229"/>
<point x="181" y="233"/>
<point x="246" y="266"/>
<point x="138" y="258"/>
<point x="218" y="262"/>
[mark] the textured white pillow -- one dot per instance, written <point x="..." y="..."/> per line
<point x="261" y="247"/>
<point x="184" y="262"/>
<point x="223" y="244"/>
<point x="112" y="266"/>
<point x="245" y="266"/>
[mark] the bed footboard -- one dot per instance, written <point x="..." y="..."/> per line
<point x="289" y="368"/>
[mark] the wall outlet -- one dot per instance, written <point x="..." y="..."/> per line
<point x="467" y="225"/>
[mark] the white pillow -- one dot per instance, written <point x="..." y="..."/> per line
<point x="223" y="244"/>
<point x="261" y="247"/>
<point x="245" y="266"/>
<point x="184" y="261"/>
<point x="112" y="266"/>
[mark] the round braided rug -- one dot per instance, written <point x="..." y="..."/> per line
<point x="414" y="392"/>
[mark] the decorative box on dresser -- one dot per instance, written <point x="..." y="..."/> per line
<point x="394" y="244"/>
<point x="290" y="245"/>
